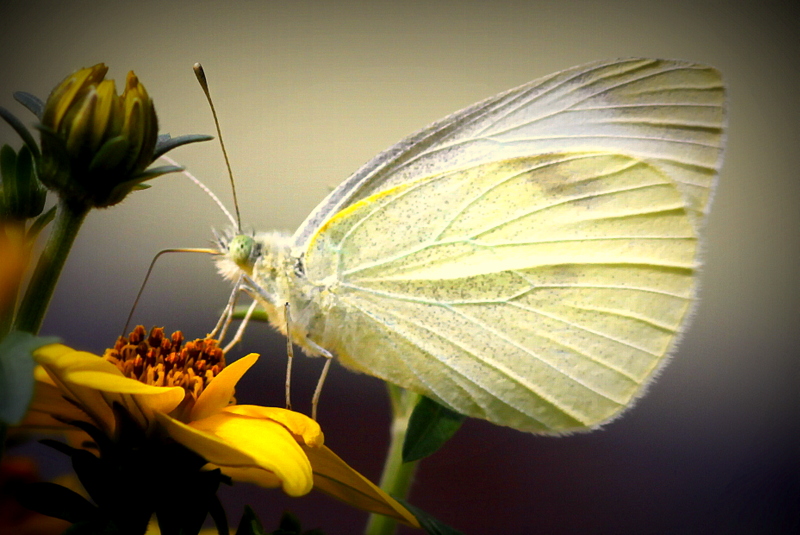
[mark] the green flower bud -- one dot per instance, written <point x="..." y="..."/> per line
<point x="96" y="144"/>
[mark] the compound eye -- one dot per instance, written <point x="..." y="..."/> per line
<point x="240" y="250"/>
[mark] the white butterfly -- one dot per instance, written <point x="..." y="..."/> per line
<point x="530" y="260"/>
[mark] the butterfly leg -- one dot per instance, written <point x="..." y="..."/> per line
<point x="240" y="331"/>
<point x="290" y="355"/>
<point x="227" y="314"/>
<point x="317" y="391"/>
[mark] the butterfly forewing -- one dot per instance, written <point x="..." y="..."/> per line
<point x="538" y="292"/>
<point x="668" y="112"/>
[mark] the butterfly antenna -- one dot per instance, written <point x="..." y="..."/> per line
<point x="205" y="188"/>
<point x="201" y="78"/>
<point x="150" y="270"/>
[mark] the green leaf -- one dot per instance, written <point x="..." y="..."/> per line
<point x="109" y="155"/>
<point x="430" y="426"/>
<point x="32" y="102"/>
<point x="166" y="143"/>
<point x="429" y="523"/>
<point x="16" y="373"/>
<point x="250" y="524"/>
<point x="54" y="500"/>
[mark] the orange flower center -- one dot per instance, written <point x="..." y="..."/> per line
<point x="156" y="360"/>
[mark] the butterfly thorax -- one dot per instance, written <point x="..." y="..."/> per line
<point x="274" y="276"/>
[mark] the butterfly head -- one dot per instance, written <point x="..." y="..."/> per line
<point x="237" y="253"/>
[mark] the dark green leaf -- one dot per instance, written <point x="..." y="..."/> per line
<point x="249" y="524"/>
<point x="166" y="143"/>
<point x="153" y="172"/>
<point x="8" y="170"/>
<point x="32" y="102"/>
<point x="41" y="222"/>
<point x="16" y="373"/>
<point x="23" y="196"/>
<point x="21" y="130"/>
<point x="430" y="426"/>
<point x="429" y="523"/>
<point x="184" y="513"/>
<point x="54" y="500"/>
<point x="217" y="513"/>
<point x="124" y="188"/>
<point x="32" y="194"/>
<point x="289" y="524"/>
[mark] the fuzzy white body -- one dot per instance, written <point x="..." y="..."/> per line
<point x="279" y="280"/>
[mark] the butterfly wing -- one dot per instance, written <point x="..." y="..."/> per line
<point x="670" y="112"/>
<point x="532" y="259"/>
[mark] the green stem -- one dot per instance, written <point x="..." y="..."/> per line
<point x="69" y="219"/>
<point x="3" y="429"/>
<point x="397" y="475"/>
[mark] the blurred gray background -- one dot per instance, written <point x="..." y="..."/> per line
<point x="308" y="91"/>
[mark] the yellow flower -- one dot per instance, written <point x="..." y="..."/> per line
<point x="186" y="393"/>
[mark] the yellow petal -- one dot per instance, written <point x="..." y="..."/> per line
<point x="96" y="384"/>
<point x="336" y="478"/>
<point x="220" y="390"/>
<point x="304" y="428"/>
<point x="63" y="95"/>
<point x="103" y="114"/>
<point x="62" y="359"/>
<point x="208" y="446"/>
<point x="159" y="398"/>
<point x="51" y="352"/>
<point x="40" y="375"/>
<point x="139" y="399"/>
<point x="267" y="442"/>
<point x="239" y="442"/>
<point x="81" y="121"/>
<point x="59" y="360"/>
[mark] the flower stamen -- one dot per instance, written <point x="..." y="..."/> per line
<point x="156" y="360"/>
